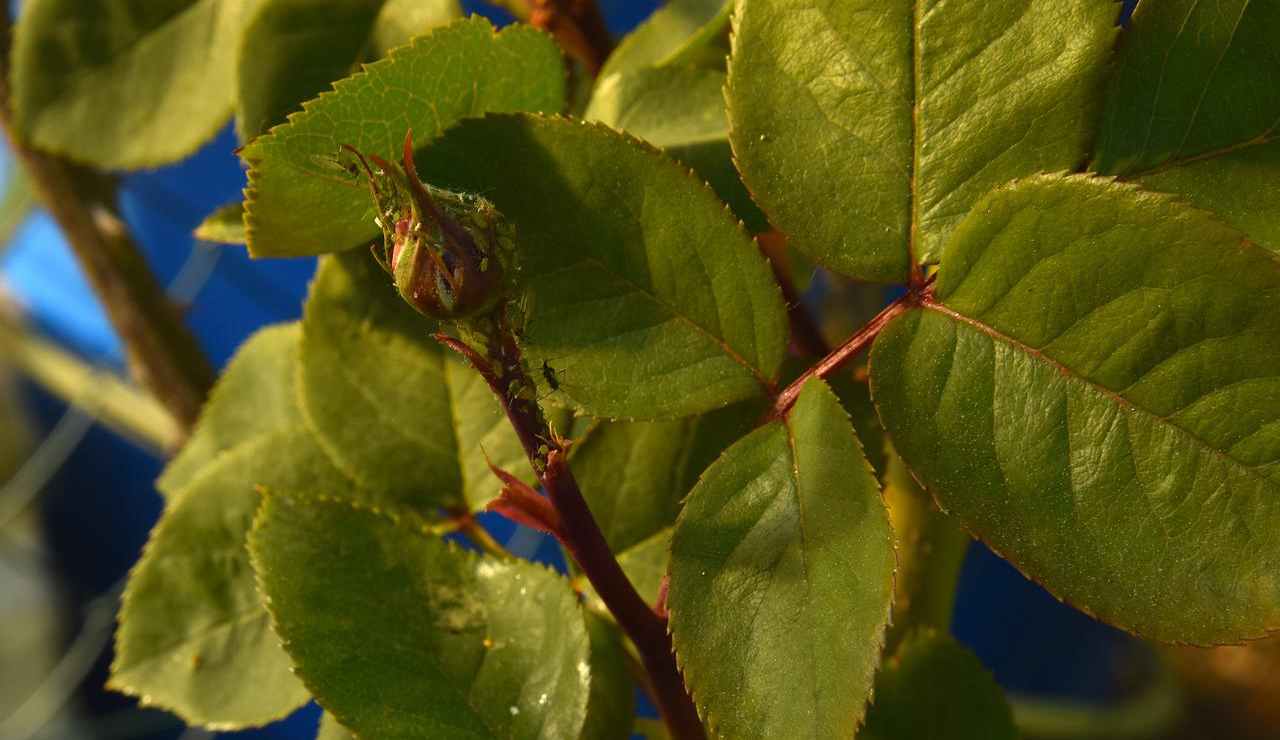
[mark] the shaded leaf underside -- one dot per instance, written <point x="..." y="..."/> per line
<point x="1193" y="109"/>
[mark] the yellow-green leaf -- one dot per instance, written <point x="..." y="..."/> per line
<point x="642" y="295"/>
<point x="1094" y="389"/>
<point x="867" y="128"/>
<point x="122" y="84"/>
<point x="781" y="579"/>
<point x="297" y="204"/>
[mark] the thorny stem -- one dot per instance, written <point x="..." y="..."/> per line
<point x="502" y="368"/>
<point x="851" y="347"/>
<point x="162" y="352"/>
<point x="578" y="26"/>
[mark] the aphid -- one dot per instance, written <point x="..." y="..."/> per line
<point x="549" y="374"/>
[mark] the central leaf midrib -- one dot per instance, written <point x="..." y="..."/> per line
<point x="792" y="448"/>
<point x="1071" y="374"/>
<point x="916" y="86"/>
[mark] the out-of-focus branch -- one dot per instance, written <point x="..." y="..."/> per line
<point x="162" y="353"/>
<point x="578" y="26"/>
<point x="100" y="393"/>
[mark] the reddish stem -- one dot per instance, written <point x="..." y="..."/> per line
<point x="851" y="347"/>
<point x="578" y="531"/>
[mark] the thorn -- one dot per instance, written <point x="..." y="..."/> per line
<point x="660" y="606"/>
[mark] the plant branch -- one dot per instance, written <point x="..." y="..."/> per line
<point x="502" y="368"/>
<point x="837" y="358"/>
<point x="100" y="393"/>
<point x="162" y="353"/>
<point x="578" y="26"/>
<point x="479" y="536"/>
<point x="1153" y="712"/>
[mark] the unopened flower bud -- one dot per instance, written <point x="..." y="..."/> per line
<point x="449" y="253"/>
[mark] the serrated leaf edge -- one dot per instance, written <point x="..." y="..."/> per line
<point x="396" y="520"/>
<point x="248" y="153"/>
<point x="1156" y="196"/>
<point x="708" y="718"/>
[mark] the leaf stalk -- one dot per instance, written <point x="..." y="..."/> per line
<point x="841" y="355"/>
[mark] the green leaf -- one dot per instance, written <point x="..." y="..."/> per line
<point x="781" y="579"/>
<point x="331" y="730"/>
<point x="1094" y="389"/>
<point x="635" y="474"/>
<point x="194" y="637"/>
<point x="866" y="129"/>
<point x="1186" y="83"/>
<point x="293" y="49"/>
<point x="1186" y="111"/>
<point x="224" y="226"/>
<point x="1243" y="187"/>
<point x="17" y="201"/>
<point x="254" y="398"/>
<point x="934" y="689"/>
<point x="855" y="396"/>
<point x="680" y="32"/>
<point x="681" y="111"/>
<point x="121" y="84"/>
<point x="645" y="564"/>
<point x="394" y="409"/>
<point x="643" y="296"/>
<point x="458" y="646"/>
<point x="296" y="202"/>
<point x="931" y="549"/>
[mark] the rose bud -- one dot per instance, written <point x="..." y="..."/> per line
<point x="449" y="253"/>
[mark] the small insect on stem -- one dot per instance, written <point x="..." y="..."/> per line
<point x="549" y="374"/>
